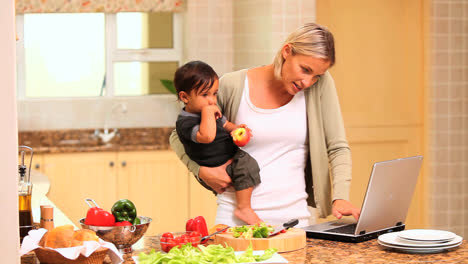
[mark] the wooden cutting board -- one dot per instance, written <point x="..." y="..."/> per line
<point x="293" y="239"/>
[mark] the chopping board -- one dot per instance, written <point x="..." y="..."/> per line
<point x="293" y="239"/>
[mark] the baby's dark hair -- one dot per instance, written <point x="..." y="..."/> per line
<point x="194" y="75"/>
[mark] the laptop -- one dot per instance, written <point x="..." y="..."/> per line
<point x="388" y="197"/>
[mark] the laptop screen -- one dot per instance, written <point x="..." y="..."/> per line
<point x="389" y="193"/>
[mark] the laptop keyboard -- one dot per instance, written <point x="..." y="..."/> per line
<point x="346" y="229"/>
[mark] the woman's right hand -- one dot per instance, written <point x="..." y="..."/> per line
<point x="216" y="177"/>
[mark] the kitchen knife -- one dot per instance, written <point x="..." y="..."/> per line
<point x="203" y="239"/>
<point x="284" y="226"/>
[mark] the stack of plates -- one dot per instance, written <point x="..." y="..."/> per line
<point x="420" y="240"/>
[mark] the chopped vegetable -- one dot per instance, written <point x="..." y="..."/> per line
<point x="261" y="230"/>
<point x="187" y="254"/>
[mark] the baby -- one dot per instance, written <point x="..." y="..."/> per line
<point x="205" y="134"/>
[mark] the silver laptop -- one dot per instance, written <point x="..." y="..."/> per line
<point x="388" y="197"/>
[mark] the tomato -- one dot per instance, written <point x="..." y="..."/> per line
<point x="179" y="241"/>
<point x="194" y="234"/>
<point x="163" y="243"/>
<point x="170" y="244"/>
<point x="168" y="234"/>
<point x="195" y="241"/>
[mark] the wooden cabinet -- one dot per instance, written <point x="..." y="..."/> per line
<point x="156" y="181"/>
<point x="380" y="78"/>
<point x="201" y="202"/>
<point x="76" y="176"/>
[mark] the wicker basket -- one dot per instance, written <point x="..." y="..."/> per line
<point x="50" y="256"/>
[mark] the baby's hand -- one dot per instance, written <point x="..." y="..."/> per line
<point x="247" y="128"/>
<point x="218" y="114"/>
<point x="213" y="109"/>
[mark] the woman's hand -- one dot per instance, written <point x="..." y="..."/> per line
<point x="343" y="207"/>
<point x="216" y="177"/>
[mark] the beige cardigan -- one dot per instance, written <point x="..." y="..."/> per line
<point x="328" y="148"/>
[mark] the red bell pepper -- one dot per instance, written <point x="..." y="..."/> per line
<point x="197" y="224"/>
<point x="98" y="217"/>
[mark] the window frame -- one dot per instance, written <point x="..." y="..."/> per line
<point x="112" y="55"/>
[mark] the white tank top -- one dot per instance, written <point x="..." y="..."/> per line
<point x="280" y="146"/>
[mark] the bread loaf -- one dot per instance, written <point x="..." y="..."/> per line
<point x="85" y="235"/>
<point x="65" y="236"/>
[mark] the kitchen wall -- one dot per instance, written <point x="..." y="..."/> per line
<point x="449" y="116"/>
<point x="209" y="33"/>
<point x="237" y="34"/>
<point x="9" y="228"/>
<point x="261" y="26"/>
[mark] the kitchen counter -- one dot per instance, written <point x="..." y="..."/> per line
<point x="84" y="140"/>
<point x="323" y="251"/>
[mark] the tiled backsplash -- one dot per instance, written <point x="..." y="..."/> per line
<point x="449" y="116"/>
<point x="261" y="26"/>
<point x="208" y="33"/>
<point x="237" y="34"/>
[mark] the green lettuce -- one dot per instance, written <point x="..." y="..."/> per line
<point x="188" y="254"/>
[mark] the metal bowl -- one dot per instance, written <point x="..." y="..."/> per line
<point x="123" y="237"/>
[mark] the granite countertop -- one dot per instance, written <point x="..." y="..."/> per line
<point x="84" y="140"/>
<point x="320" y="251"/>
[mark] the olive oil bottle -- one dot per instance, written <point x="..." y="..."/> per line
<point x="24" y="196"/>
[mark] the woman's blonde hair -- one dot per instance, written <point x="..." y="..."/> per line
<point x="311" y="40"/>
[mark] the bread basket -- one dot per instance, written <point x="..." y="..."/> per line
<point x="50" y="256"/>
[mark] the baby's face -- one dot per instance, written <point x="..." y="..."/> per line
<point x="196" y="100"/>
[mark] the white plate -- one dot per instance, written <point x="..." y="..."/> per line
<point x="419" y="250"/>
<point x="276" y="258"/>
<point x="394" y="239"/>
<point x="426" y="235"/>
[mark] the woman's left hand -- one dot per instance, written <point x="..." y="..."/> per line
<point x="344" y="207"/>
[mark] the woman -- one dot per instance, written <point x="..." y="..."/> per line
<point x="293" y="111"/>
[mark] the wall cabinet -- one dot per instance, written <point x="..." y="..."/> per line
<point x="156" y="181"/>
<point x="382" y="100"/>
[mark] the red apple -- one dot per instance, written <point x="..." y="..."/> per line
<point x="240" y="136"/>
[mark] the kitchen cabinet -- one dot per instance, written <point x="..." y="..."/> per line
<point x="156" y="181"/>
<point x="201" y="202"/>
<point x="382" y="100"/>
<point x="76" y="176"/>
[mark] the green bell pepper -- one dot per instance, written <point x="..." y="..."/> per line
<point x="124" y="210"/>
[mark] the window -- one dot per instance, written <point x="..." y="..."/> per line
<point x="96" y="54"/>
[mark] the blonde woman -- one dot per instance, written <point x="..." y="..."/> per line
<point x="299" y="138"/>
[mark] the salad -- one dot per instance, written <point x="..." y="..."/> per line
<point x="204" y="255"/>
<point x="261" y="230"/>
